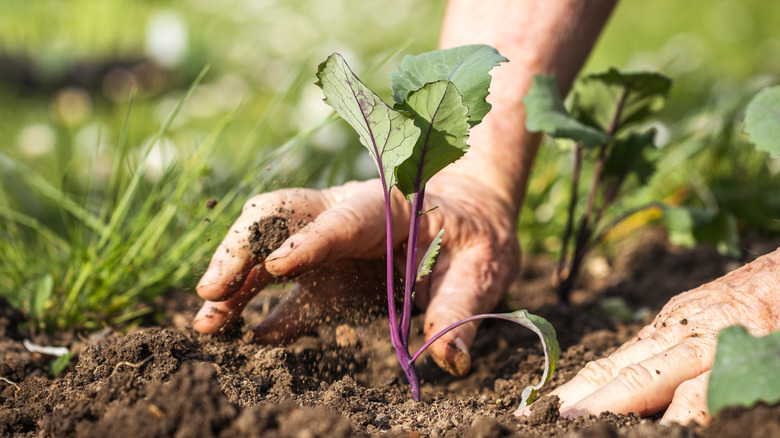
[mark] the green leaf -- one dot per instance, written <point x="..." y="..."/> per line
<point x="762" y="120"/>
<point x="643" y="94"/>
<point x="442" y="118"/>
<point x="58" y="366"/>
<point x="389" y="135"/>
<point x="429" y="258"/>
<point x="681" y="222"/>
<point x="546" y="113"/>
<point x="689" y="226"/>
<point x="632" y="154"/>
<point x="467" y="67"/>
<point x="536" y="324"/>
<point x="746" y="370"/>
<point x="641" y="84"/>
<point x="552" y="351"/>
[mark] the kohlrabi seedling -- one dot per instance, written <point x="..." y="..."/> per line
<point x="438" y="97"/>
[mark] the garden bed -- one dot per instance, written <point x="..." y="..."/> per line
<point x="163" y="379"/>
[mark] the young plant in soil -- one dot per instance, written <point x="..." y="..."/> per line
<point x="598" y="123"/>
<point x="438" y="97"/>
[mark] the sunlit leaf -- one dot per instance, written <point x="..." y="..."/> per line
<point x="389" y="135"/>
<point x="467" y="67"/>
<point x="689" y="226"/>
<point x="442" y="119"/>
<point x="762" y="120"/>
<point x="546" y="113"/>
<point x="746" y="370"/>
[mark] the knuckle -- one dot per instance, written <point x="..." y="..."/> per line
<point x="597" y="372"/>
<point x="635" y="377"/>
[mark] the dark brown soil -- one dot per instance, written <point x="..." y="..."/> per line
<point x="267" y="234"/>
<point x="343" y="380"/>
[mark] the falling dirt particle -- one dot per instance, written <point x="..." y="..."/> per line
<point x="346" y="336"/>
<point x="657" y="372"/>
<point x="663" y="324"/>
<point x="211" y="203"/>
<point x="684" y="321"/>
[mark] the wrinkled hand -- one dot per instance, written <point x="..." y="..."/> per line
<point x="334" y="253"/>
<point x="667" y="364"/>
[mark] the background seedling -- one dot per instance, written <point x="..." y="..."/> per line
<point x="606" y="123"/>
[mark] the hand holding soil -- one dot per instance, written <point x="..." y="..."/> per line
<point x="667" y="364"/>
<point x="333" y="252"/>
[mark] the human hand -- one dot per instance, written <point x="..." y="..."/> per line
<point x="334" y="253"/>
<point x="667" y="364"/>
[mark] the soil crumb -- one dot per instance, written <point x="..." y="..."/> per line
<point x="267" y="234"/>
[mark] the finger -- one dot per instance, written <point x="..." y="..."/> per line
<point x="218" y="315"/>
<point x="464" y="289"/>
<point x="343" y="288"/>
<point x="353" y="227"/>
<point x="646" y="386"/>
<point x="598" y="373"/>
<point x="234" y="257"/>
<point x="689" y="403"/>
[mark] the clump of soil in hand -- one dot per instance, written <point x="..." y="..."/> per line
<point x="267" y="234"/>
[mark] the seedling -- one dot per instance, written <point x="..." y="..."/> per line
<point x="598" y="124"/>
<point x="438" y="97"/>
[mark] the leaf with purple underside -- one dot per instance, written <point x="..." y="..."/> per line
<point x="389" y="135"/>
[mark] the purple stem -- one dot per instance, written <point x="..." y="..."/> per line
<point x="411" y="264"/>
<point x="457" y="324"/>
<point x="401" y="348"/>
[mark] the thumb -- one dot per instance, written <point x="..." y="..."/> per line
<point x="463" y="289"/>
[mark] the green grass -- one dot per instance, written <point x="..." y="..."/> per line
<point x="127" y="239"/>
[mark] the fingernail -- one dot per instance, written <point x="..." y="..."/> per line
<point x="461" y="362"/>
<point x="523" y="412"/>
<point x="206" y="312"/>
<point x="210" y="277"/>
<point x="281" y="252"/>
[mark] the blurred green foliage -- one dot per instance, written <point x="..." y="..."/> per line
<point x="68" y="69"/>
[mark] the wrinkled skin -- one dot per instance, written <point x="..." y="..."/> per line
<point x="667" y="364"/>
<point x="345" y="236"/>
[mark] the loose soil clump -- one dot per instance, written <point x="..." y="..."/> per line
<point x="267" y="234"/>
<point x="166" y="380"/>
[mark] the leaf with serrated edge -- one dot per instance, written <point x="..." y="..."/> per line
<point x="467" y="67"/>
<point x="442" y="119"/>
<point x="546" y="113"/>
<point x="429" y="258"/>
<point x="746" y="370"/>
<point x="389" y="135"/>
<point x="762" y="121"/>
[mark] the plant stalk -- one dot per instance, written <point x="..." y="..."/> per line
<point x="411" y="264"/>
<point x="586" y="226"/>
